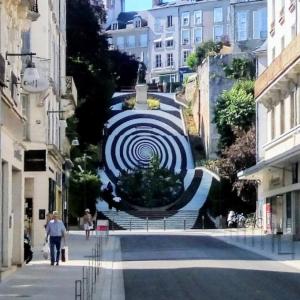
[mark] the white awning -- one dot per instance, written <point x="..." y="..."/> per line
<point x="156" y="41"/>
<point x="169" y="38"/>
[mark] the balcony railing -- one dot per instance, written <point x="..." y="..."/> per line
<point x="2" y="71"/>
<point x="34" y="6"/>
<point x="33" y="10"/>
<point x="287" y="57"/>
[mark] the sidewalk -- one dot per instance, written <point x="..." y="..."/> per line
<point x="281" y="248"/>
<point x="38" y="280"/>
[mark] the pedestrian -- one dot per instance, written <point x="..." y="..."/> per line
<point x="56" y="230"/>
<point x="87" y="223"/>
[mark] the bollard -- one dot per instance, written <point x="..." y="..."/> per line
<point x="78" y="289"/>
<point x="83" y="282"/>
<point x="184" y="224"/>
<point x="147" y="224"/>
<point x="252" y="233"/>
<point x="273" y="243"/>
<point x="164" y="223"/>
<point x="130" y="225"/>
<point x="203" y="222"/>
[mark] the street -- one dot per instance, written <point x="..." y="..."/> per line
<point x="200" y="267"/>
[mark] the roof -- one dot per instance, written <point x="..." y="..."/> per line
<point x="125" y="18"/>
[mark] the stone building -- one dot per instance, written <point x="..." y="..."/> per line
<point x="15" y="17"/>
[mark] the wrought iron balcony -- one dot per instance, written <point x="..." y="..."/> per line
<point x="2" y="71"/>
<point x="288" y="58"/>
<point x="69" y="99"/>
<point x="33" y="10"/>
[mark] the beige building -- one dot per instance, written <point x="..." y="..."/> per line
<point x="15" y="17"/>
<point x="46" y="157"/>
<point x="277" y="94"/>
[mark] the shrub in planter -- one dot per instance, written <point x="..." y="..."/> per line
<point x="151" y="187"/>
<point x="153" y="103"/>
<point x="129" y="103"/>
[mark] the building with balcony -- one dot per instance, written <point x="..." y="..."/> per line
<point x="277" y="95"/>
<point x="47" y="148"/>
<point x="16" y="16"/>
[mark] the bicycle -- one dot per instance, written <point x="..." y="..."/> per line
<point x="253" y="221"/>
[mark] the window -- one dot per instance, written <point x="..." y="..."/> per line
<point x="185" y="55"/>
<point x="282" y="117"/>
<point x="170" y="61"/>
<point x="198" y="17"/>
<point x="158" y="61"/>
<point x="198" y="35"/>
<point x="143" y="40"/>
<point x="157" y="44"/>
<point x="218" y="14"/>
<point x="185" y="36"/>
<point x="218" y="33"/>
<point x="169" y="21"/>
<point x="158" y="27"/>
<point x="120" y="42"/>
<point x="293" y="116"/>
<point x="169" y="42"/>
<point x="295" y="167"/>
<point x="260" y="24"/>
<point x="138" y="23"/>
<point x="185" y="19"/>
<point x="131" y="41"/>
<point x="242" y="26"/>
<point x="115" y="26"/>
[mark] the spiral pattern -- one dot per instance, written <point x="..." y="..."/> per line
<point x="134" y="137"/>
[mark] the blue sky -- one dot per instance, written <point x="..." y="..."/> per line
<point x="136" y="5"/>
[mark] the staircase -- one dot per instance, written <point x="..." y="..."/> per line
<point x="152" y="220"/>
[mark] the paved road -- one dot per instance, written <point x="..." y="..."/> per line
<point x="163" y="267"/>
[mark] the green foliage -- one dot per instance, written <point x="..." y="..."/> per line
<point x="96" y="70"/>
<point x="129" y="103"/>
<point x="235" y="109"/>
<point x="240" y="68"/>
<point x="153" y="103"/>
<point x="207" y="49"/>
<point x="84" y="183"/>
<point x="151" y="187"/>
<point x="192" y="61"/>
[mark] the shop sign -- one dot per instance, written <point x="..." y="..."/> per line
<point x="35" y="161"/>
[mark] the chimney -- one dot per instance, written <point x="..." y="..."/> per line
<point x="156" y="2"/>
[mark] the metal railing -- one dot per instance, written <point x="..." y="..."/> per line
<point x="85" y="288"/>
<point x="34" y="6"/>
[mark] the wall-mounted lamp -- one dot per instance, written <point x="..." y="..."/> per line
<point x="32" y="82"/>
<point x="75" y="142"/>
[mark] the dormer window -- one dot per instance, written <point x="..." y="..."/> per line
<point x="138" y="23"/>
<point x="115" y="26"/>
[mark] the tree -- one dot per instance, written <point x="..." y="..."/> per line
<point x="88" y="62"/>
<point x="124" y="68"/>
<point x="239" y="156"/>
<point x="241" y="69"/>
<point x="206" y="49"/>
<point x="235" y="110"/>
<point x="150" y="187"/>
<point x="192" y="61"/>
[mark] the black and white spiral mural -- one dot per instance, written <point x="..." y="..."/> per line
<point x="134" y="137"/>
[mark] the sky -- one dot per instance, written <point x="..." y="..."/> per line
<point x="136" y="5"/>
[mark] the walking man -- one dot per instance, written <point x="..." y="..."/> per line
<point x="56" y="230"/>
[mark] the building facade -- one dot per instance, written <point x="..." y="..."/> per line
<point x="47" y="148"/>
<point x="175" y="30"/>
<point x="15" y="17"/>
<point x="278" y="121"/>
